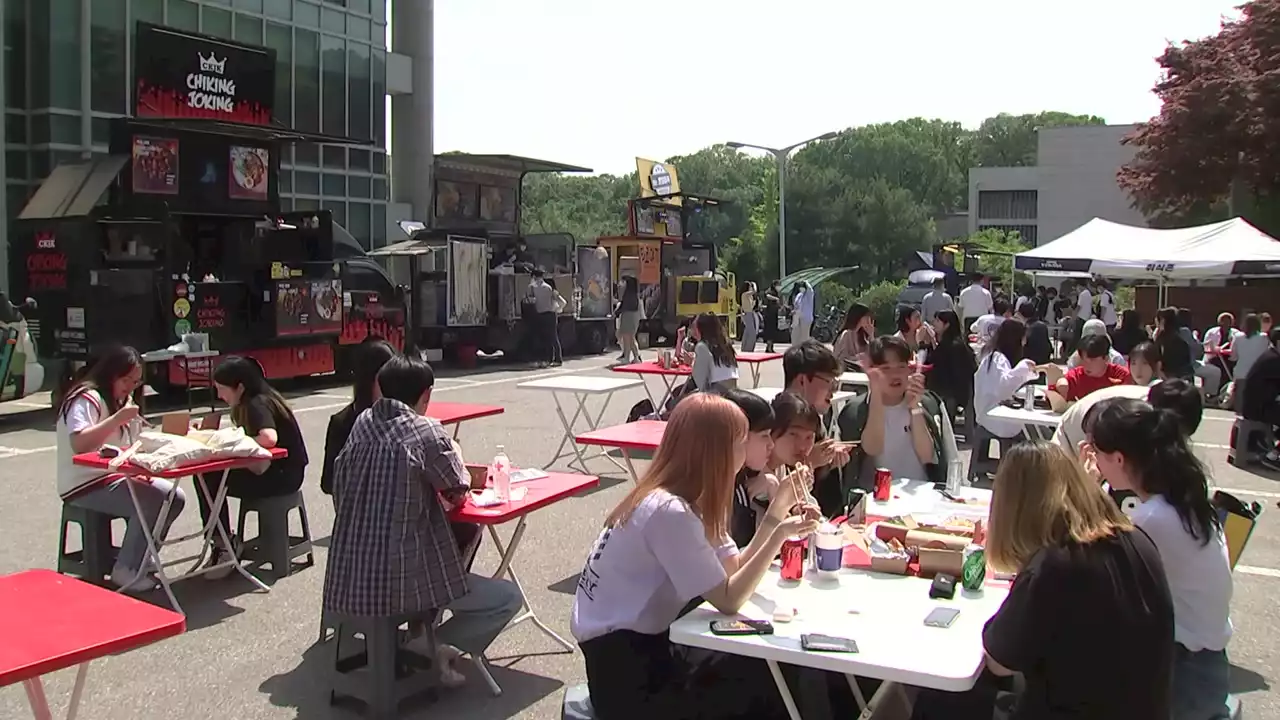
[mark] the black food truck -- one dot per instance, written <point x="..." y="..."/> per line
<point x="468" y="267"/>
<point x="178" y="233"/>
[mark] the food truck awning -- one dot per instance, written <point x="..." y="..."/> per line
<point x="408" y="247"/>
<point x="72" y="190"/>
<point x="266" y="133"/>
<point x="508" y="163"/>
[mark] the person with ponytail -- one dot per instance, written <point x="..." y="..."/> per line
<point x="1146" y="451"/>
<point x="98" y="411"/>
<point x="371" y="355"/>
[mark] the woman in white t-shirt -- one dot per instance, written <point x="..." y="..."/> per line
<point x="665" y="547"/>
<point x="95" y="412"/>
<point x="1146" y="451"/>
<point x="715" y="365"/>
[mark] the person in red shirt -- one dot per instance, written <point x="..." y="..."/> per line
<point x="1094" y="372"/>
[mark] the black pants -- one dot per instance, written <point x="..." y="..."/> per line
<point x="245" y="485"/>
<point x="547" y="332"/>
<point x="978" y="703"/>
<point x="633" y="676"/>
<point x="770" y="330"/>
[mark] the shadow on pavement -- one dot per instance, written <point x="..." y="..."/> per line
<point x="1244" y="680"/>
<point x="306" y="689"/>
<point x="567" y="586"/>
<point x="606" y="482"/>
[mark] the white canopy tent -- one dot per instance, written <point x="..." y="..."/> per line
<point x="1230" y="248"/>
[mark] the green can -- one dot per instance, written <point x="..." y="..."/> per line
<point x="974" y="572"/>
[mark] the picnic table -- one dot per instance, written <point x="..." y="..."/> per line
<point x="450" y="413"/>
<point x="50" y="622"/>
<point x="753" y="361"/>
<point x="538" y="493"/>
<point x="134" y="474"/>
<point x="644" y="435"/>
<point x="1033" y="420"/>
<point x="883" y="613"/>
<point x="581" y="387"/>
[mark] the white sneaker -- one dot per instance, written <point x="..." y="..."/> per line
<point x="448" y="656"/>
<point x="220" y="555"/>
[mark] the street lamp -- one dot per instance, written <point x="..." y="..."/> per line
<point x="781" y="155"/>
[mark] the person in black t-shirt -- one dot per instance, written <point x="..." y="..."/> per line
<point x="811" y="371"/>
<point x="751" y="483"/>
<point x="1089" y="619"/>
<point x="265" y="416"/>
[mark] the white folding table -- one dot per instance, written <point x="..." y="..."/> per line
<point x="884" y="614"/>
<point x="856" y="379"/>
<point x="580" y="387"/>
<point x="1032" y="420"/>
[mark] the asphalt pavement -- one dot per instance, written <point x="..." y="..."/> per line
<point x="250" y="655"/>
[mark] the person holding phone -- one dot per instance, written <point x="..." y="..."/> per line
<point x="665" y="548"/>
<point x="98" y="411"/>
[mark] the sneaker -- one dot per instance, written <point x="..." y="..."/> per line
<point x="132" y="581"/>
<point x="449" y="656"/>
<point x="1271" y="460"/>
<point x="220" y="555"/>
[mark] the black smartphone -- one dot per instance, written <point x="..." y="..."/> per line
<point x="813" y="642"/>
<point x="741" y="627"/>
<point x="941" y="617"/>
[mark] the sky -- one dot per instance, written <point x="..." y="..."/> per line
<point x="600" y="82"/>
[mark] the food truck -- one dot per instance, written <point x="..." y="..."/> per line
<point x="176" y="236"/>
<point x="676" y="273"/>
<point x="468" y="267"/>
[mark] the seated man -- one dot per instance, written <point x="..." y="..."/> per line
<point x="393" y="551"/>
<point x="1262" y="401"/>
<point x="811" y="371"/>
<point x="1095" y="371"/>
<point x="897" y="422"/>
<point x="1091" y="328"/>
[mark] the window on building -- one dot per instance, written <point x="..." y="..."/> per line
<point x="305" y="203"/>
<point x="282" y="9"/>
<point x="63" y="58"/>
<point x="101" y="131"/>
<point x="107" y="40"/>
<point x="379" y="71"/>
<point x="250" y="5"/>
<point x="15" y="55"/>
<point x="335" y="157"/>
<point x="15" y="198"/>
<point x="339" y="210"/>
<point x="378" y="225"/>
<point x="307" y="154"/>
<point x="361" y="6"/>
<point x="358" y="28"/>
<point x="379" y="188"/>
<point x="306" y="89"/>
<point x="333" y="60"/>
<point x="358" y="186"/>
<point x="359" y="104"/>
<point x="15" y="128"/>
<point x="184" y="15"/>
<point x="1007" y="204"/>
<point x="306" y="14"/>
<point x="217" y="22"/>
<point x="359" y="159"/>
<point x="248" y="29"/>
<point x="280" y="39"/>
<point x="358" y="221"/>
<point x="334" y="185"/>
<point x="334" y="21"/>
<point x="15" y="164"/>
<point x="306" y="183"/>
<point x="286" y="182"/>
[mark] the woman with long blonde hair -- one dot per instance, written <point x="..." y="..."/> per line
<point x="665" y="548"/>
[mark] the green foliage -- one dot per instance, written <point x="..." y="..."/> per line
<point x="999" y="266"/>
<point x="833" y="293"/>
<point x="882" y="298"/>
<point x="1010" y="140"/>
<point x="1125" y="297"/>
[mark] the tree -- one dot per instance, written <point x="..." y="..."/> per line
<point x="1219" y="126"/>
<point x="1011" y="140"/>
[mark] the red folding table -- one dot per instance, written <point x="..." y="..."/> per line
<point x="134" y="474"/>
<point x="49" y="622"/>
<point x="668" y="375"/>
<point x="753" y="361"/>
<point x="538" y="493"/>
<point x="449" y="413"/>
<point x="639" y="435"/>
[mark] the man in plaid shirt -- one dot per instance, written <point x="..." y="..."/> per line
<point x="393" y="551"/>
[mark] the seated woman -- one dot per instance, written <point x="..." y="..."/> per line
<point x="796" y="426"/>
<point x="1089" y="621"/>
<point x="1130" y="333"/>
<point x="952" y="364"/>
<point x="663" y="547"/>
<point x="371" y="355"/>
<point x="715" y="367"/>
<point x="265" y="416"/>
<point x="1145" y="450"/>
<point x="912" y="330"/>
<point x="855" y="337"/>
<point x="1146" y="366"/>
<point x="1000" y="374"/>
<point x="753" y="484"/>
<point x="1177" y="352"/>
<point x="97" y="411"/>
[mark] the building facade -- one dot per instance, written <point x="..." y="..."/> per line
<point x="1073" y="182"/>
<point x="67" y="69"/>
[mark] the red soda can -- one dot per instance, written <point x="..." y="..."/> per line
<point x="793" y="559"/>
<point x="884" y="482"/>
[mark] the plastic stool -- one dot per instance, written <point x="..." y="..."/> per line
<point x="1238" y="452"/>
<point x="97" y="554"/>
<point x="577" y="704"/>
<point x="384" y="672"/>
<point x="274" y="545"/>
<point x="980" y="454"/>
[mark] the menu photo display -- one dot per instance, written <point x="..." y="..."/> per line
<point x="249" y="173"/>
<point x="155" y="165"/>
<point x="305" y="307"/>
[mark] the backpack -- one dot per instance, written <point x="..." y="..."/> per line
<point x="853" y="419"/>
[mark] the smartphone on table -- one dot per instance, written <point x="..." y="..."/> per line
<point x="741" y="627"/>
<point x="815" y="642"/>
<point x="941" y="617"/>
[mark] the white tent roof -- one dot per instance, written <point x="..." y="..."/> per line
<point x="1228" y="248"/>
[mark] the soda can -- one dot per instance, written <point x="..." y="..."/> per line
<point x="884" y="483"/>
<point x="974" y="567"/>
<point x="793" y="559"/>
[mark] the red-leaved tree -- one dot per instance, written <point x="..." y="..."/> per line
<point x="1219" y="124"/>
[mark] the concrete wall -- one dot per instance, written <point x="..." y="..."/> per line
<point x="1077" y="178"/>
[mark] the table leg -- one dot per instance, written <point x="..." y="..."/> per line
<point x="567" y="423"/>
<point x="482" y="665"/>
<point x="882" y="692"/>
<point x="77" y="691"/>
<point x="631" y="468"/>
<point x="457" y="428"/>
<point x="153" y="549"/>
<point x="670" y="382"/>
<point x="507" y="554"/>
<point x="785" y="691"/>
<point x="36" y="699"/>
<point x="648" y="393"/>
<point x="213" y="526"/>
<point x="755" y="374"/>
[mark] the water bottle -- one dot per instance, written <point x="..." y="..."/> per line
<point x="501" y="471"/>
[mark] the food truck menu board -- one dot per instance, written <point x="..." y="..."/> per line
<point x="155" y="165"/>
<point x="308" y="307"/>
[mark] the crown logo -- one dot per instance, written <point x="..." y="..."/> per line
<point x="212" y="63"/>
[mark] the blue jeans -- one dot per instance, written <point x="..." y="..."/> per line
<point x="1200" y="684"/>
<point x="114" y="499"/>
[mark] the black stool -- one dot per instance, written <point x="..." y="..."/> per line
<point x="273" y="544"/>
<point x="980" y="461"/>
<point x="97" y="553"/>
<point x="384" y="672"/>
<point x="577" y="704"/>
